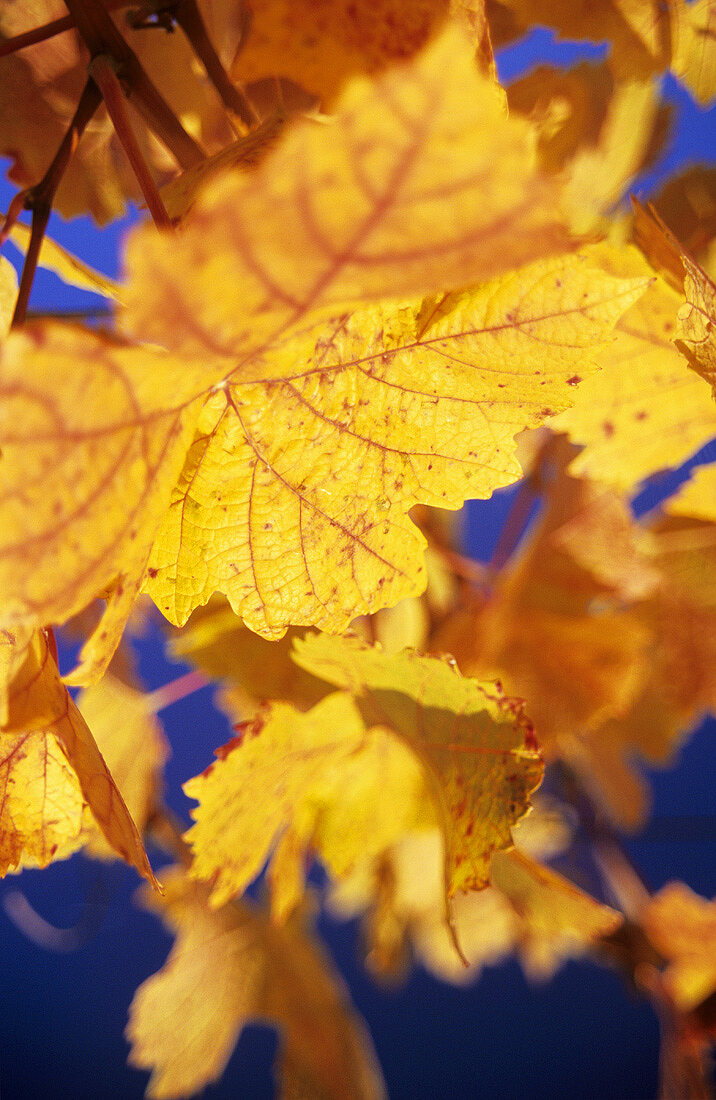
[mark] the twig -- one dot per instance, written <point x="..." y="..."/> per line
<point x="189" y="19"/>
<point x="47" y="30"/>
<point x="102" y="69"/>
<point x="39" y="198"/>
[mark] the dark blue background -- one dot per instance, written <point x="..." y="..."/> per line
<point x="580" y="1036"/>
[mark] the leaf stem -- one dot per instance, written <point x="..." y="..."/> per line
<point x="189" y="18"/>
<point x="175" y="690"/>
<point x="47" y="30"/>
<point x="102" y="37"/>
<point x="39" y="198"/>
<point x="103" y="71"/>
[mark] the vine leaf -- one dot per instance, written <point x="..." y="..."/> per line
<point x="406" y="745"/>
<point x="8" y="294"/>
<point x="319" y="46"/>
<point x="227" y="967"/>
<point x="294" y="495"/>
<point x="696" y="334"/>
<point x="130" y="738"/>
<point x="682" y="927"/>
<point x="50" y="766"/>
<point x="644" y="411"/>
<point x="90" y="454"/>
<point x="420" y="183"/>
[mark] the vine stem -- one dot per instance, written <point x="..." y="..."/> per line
<point x="102" y="69"/>
<point x="189" y="18"/>
<point x="175" y="690"/>
<point x="47" y="30"/>
<point x="39" y="198"/>
<point x="102" y="37"/>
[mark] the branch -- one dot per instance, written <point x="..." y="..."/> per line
<point x="102" y="37"/>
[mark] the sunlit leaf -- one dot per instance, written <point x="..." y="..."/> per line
<point x="294" y="495"/>
<point x="420" y="184"/>
<point x="231" y="966"/>
<point x="682" y="927"/>
<point x="50" y="766"/>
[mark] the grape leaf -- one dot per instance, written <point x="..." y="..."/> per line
<point x="8" y="294"/>
<point x="419" y="184"/>
<point x="694" y="61"/>
<point x="68" y="267"/>
<point x="682" y="927"/>
<point x="89" y="446"/>
<point x="696" y="334"/>
<point x="644" y="411"/>
<point x="475" y="744"/>
<point x="294" y="495"/>
<point x="697" y="496"/>
<point x="50" y="766"/>
<point x="131" y="741"/>
<point x="227" y="967"/>
<point x="319" y="46"/>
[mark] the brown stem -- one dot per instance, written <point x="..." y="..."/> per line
<point x="515" y="524"/>
<point x="48" y="30"/>
<point x="166" y="831"/>
<point x="40" y="197"/>
<point x="102" y="37"/>
<point x="189" y="19"/>
<point x="175" y="690"/>
<point x="102" y="71"/>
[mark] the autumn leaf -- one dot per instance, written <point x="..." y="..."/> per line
<point x="294" y="495"/>
<point x="323" y="773"/>
<point x="91" y="445"/>
<point x="68" y="267"/>
<point x="696" y="333"/>
<point x="130" y="738"/>
<point x="475" y="744"/>
<point x="697" y="496"/>
<point x="8" y="294"/>
<point x="694" y="61"/>
<point x="50" y="766"/>
<point x="419" y="184"/>
<point x="644" y="411"/>
<point x="227" y="967"/>
<point x="319" y="46"/>
<point x="638" y="31"/>
<point x="682" y="927"/>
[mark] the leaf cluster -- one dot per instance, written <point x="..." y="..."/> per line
<point x="373" y="283"/>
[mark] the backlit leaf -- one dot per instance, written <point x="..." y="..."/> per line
<point x="644" y="411"/>
<point x="695" y="48"/>
<point x="319" y="45"/>
<point x="231" y="966"/>
<point x="94" y="434"/>
<point x="421" y="183"/>
<point x="475" y="744"/>
<point x="682" y="927"/>
<point x="294" y="495"/>
<point x="697" y="322"/>
<point x="8" y="294"/>
<point x="50" y="766"/>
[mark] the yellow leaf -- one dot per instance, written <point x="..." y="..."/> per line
<point x="65" y="265"/>
<point x="294" y="495"/>
<point x="474" y="743"/>
<point x="94" y="434"/>
<point x="254" y="669"/>
<point x="645" y="410"/>
<point x="319" y="46"/>
<point x="696" y="333"/>
<point x="321" y="772"/>
<point x="556" y="918"/>
<point x="682" y="927"/>
<point x="697" y="497"/>
<point x="228" y="967"/>
<point x="131" y="741"/>
<point x="421" y="183"/>
<point x="695" y="48"/>
<point x="50" y="766"/>
<point x="639" y="31"/>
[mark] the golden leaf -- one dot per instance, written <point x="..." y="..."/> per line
<point x="421" y="183"/>
<point x="294" y="495"/>
<point x="8" y="294"/>
<point x="694" y="59"/>
<point x="131" y="741"/>
<point x="94" y="434"/>
<point x="696" y="334"/>
<point x="319" y="46"/>
<point x="645" y="410"/>
<point x="682" y="927"/>
<point x="226" y="968"/>
<point x="50" y="766"/>
<point x="475" y="745"/>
